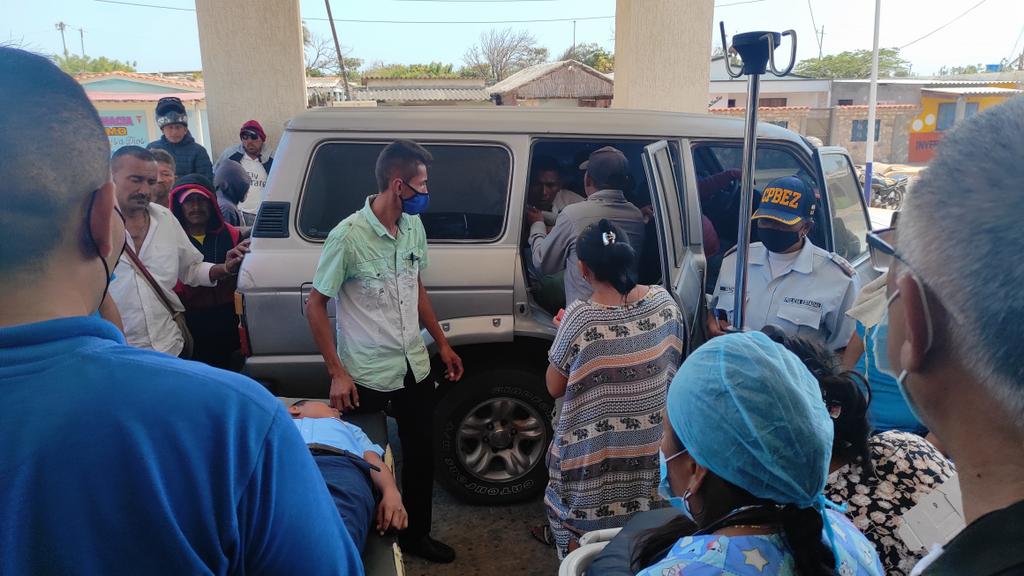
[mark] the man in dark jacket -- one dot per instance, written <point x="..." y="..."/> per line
<point x="232" y="184"/>
<point x="209" y="311"/>
<point x="189" y="156"/>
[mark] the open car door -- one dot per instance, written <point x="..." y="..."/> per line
<point x="680" y="233"/>
<point x="847" y="215"/>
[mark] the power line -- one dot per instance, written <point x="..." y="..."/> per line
<point x="147" y="5"/>
<point x="738" y="3"/>
<point x="1013" y="51"/>
<point x="367" y="21"/>
<point x="962" y="14"/>
<point x="815" y="24"/>
<point x="357" y="21"/>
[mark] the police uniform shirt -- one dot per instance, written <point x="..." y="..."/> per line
<point x="810" y="300"/>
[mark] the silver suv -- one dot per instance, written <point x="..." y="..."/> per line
<point x="493" y="427"/>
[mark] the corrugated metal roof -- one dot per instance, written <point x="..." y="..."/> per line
<point x="535" y="73"/>
<point x="917" y="81"/>
<point x="971" y="91"/>
<point x="421" y="94"/>
<point x="323" y="81"/>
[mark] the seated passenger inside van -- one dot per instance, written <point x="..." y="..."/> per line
<point x="352" y="468"/>
<point x="546" y="191"/>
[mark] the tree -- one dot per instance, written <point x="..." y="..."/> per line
<point x="855" y="64"/>
<point x="322" y="58"/>
<point x="955" y="70"/>
<point x="592" y="55"/>
<point x="431" y="70"/>
<point x="504" y="52"/>
<point x="73" y="64"/>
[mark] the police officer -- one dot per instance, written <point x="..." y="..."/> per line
<point x="791" y="283"/>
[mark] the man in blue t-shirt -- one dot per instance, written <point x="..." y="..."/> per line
<point x="352" y="467"/>
<point x="119" y="460"/>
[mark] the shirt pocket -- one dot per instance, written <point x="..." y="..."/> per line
<point x="409" y="270"/>
<point x="800" y="314"/>
<point x="371" y="276"/>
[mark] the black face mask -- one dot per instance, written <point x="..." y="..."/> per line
<point x="96" y="247"/>
<point x="777" y="240"/>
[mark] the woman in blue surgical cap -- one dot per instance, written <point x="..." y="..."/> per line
<point x="745" y="454"/>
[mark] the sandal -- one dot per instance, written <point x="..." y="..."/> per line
<point x="542" y="533"/>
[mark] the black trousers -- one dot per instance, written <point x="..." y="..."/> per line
<point x="412" y="406"/>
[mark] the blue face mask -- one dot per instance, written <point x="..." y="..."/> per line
<point x="417" y="204"/>
<point x="665" y="489"/>
<point x="880" y="333"/>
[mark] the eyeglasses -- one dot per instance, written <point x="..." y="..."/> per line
<point x="883" y="250"/>
<point x="249" y="136"/>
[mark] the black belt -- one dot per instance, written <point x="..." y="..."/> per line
<point x="317" y="449"/>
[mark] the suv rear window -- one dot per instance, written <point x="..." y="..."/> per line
<point x="468" y="186"/>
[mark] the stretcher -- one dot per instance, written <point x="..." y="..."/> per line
<point x="381" y="556"/>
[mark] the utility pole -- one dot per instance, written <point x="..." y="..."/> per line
<point x="81" y="37"/>
<point x="337" y="48"/>
<point x="872" y="103"/>
<point x="61" y="27"/>
<point x="821" y="40"/>
<point x="573" y="39"/>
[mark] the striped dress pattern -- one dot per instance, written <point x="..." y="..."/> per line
<point x="603" y="458"/>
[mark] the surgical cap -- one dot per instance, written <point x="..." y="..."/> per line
<point x="748" y="410"/>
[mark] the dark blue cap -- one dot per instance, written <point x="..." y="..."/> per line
<point x="787" y="200"/>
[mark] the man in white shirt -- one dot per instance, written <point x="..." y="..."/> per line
<point x="160" y="242"/>
<point x="257" y="163"/>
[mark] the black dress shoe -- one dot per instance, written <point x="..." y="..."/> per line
<point x="429" y="549"/>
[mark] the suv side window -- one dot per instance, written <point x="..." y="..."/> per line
<point x="468" y="184"/>
<point x="849" y="225"/>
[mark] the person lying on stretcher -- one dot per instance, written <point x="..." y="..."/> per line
<point x="352" y="467"/>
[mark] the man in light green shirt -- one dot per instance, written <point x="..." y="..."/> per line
<point x="371" y="265"/>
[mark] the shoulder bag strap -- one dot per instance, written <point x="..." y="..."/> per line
<point x="149" y="277"/>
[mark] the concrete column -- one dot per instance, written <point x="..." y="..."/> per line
<point x="253" y="66"/>
<point x="961" y="109"/>
<point x="662" y="54"/>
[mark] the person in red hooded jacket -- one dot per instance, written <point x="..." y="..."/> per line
<point x="209" y="311"/>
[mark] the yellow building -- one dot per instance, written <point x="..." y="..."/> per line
<point x="944" y="107"/>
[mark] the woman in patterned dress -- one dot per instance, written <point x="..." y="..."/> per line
<point x="611" y="361"/>
<point x="879" y="477"/>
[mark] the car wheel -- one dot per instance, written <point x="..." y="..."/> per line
<point x="494" y="432"/>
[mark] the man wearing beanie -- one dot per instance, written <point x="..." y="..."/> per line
<point x="189" y="156"/>
<point x="249" y="153"/>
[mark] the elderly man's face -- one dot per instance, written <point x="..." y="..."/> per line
<point x="134" y="179"/>
<point x="164" y="183"/>
<point x="252" y="143"/>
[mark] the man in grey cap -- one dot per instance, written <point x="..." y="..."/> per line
<point x="607" y="174"/>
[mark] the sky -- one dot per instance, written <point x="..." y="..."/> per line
<point x="160" y="39"/>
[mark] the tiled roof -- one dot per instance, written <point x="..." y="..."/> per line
<point x="323" y="81"/>
<point x="151" y="78"/>
<point x="421" y="94"/>
<point x="143" y="96"/>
